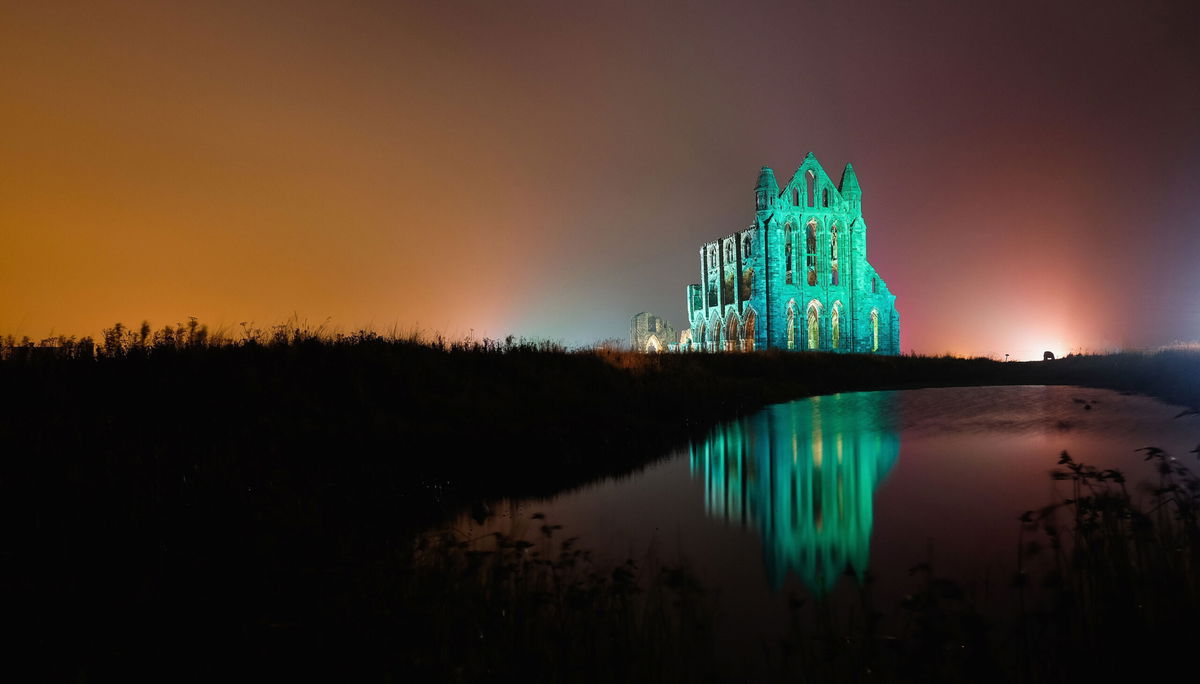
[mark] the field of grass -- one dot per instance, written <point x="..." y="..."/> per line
<point x="192" y="498"/>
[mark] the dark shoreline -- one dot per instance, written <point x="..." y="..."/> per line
<point x="471" y="423"/>
<point x="269" y="492"/>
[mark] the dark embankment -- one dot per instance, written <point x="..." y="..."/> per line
<point x="200" y="501"/>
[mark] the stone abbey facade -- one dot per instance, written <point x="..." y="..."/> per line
<point x="798" y="278"/>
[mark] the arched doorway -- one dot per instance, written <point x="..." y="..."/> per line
<point x="748" y="336"/>
<point x="731" y="333"/>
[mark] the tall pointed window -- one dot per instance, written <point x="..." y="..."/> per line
<point x="791" y="325"/>
<point x="810" y="249"/>
<point x="811" y="182"/>
<point x="835" y="325"/>
<point x="874" y="330"/>
<point x="833" y="255"/>
<point x="710" y="280"/>
<point x="814" y="326"/>
<point x="787" y="252"/>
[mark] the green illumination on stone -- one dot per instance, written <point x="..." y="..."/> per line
<point x="806" y="249"/>
<point x="804" y="474"/>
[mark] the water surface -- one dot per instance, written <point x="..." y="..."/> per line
<point x="801" y="498"/>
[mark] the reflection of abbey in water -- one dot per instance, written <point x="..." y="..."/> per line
<point x="804" y="473"/>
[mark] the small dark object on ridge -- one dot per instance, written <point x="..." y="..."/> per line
<point x="1048" y="356"/>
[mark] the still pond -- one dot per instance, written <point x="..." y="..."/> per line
<point x="800" y="499"/>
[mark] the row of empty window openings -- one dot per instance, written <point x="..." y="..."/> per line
<point x="810" y="182"/>
<point x="809" y="194"/>
<point x="813" y="328"/>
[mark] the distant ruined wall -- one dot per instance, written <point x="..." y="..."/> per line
<point x="648" y="332"/>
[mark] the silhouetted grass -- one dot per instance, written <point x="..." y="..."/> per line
<point x="1106" y="587"/>
<point x="253" y="493"/>
<point x="508" y="609"/>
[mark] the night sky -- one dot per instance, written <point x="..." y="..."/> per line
<point x="1030" y="170"/>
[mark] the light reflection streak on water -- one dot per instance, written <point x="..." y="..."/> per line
<point x="771" y="471"/>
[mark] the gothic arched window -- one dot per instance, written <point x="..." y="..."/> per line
<point x="810" y="249"/>
<point x="833" y="255"/>
<point x="814" y="326"/>
<point x="835" y="325"/>
<point x="791" y="325"/>
<point x="787" y="252"/>
<point x="874" y="330"/>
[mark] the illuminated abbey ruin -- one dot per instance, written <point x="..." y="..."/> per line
<point x="798" y="278"/>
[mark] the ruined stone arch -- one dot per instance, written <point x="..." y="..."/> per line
<point x="747" y="289"/>
<point x="834" y="248"/>
<point x="791" y="324"/>
<point x="811" y="242"/>
<point x="714" y="332"/>
<point x="835" y="325"/>
<point x="699" y="333"/>
<point x="748" y="330"/>
<point x="730" y="333"/>
<point x="789" y="251"/>
<point x="653" y="345"/>
<point x="812" y="319"/>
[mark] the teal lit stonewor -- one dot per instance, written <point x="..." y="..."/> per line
<point x="798" y="278"/>
<point x="805" y="475"/>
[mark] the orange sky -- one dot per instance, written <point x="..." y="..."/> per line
<point x="550" y="169"/>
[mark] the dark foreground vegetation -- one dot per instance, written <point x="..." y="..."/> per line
<point x="1106" y="588"/>
<point x="191" y="500"/>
